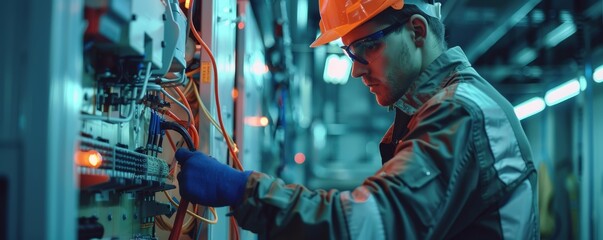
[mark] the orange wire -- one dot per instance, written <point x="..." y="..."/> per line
<point x="191" y="128"/>
<point x="216" y="94"/>
<point x="188" y="106"/>
<point x="179" y="216"/>
<point x="184" y="99"/>
<point x="169" y="137"/>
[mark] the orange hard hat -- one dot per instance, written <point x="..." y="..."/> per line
<point x="339" y="17"/>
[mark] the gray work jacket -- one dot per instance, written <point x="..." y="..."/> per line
<point x="457" y="165"/>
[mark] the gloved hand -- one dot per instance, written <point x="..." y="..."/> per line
<point x="204" y="180"/>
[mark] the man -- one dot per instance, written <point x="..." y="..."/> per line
<point x="456" y="162"/>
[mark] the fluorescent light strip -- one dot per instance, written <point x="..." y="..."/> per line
<point x="583" y="83"/>
<point x="560" y="33"/>
<point x="598" y="74"/>
<point x="562" y="92"/>
<point x="302" y="14"/>
<point x="529" y="108"/>
<point x="526" y="56"/>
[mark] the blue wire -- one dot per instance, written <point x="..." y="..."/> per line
<point x="200" y="227"/>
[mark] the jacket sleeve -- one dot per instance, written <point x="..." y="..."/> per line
<point x="401" y="201"/>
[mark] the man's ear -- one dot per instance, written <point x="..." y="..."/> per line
<point x="419" y="29"/>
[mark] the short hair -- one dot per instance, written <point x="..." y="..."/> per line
<point x="391" y="15"/>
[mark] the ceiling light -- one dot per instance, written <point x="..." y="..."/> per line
<point x="598" y="74"/>
<point x="583" y="83"/>
<point x="302" y="14"/>
<point x="525" y="56"/>
<point x="559" y="34"/>
<point x="529" y="108"/>
<point x="562" y="92"/>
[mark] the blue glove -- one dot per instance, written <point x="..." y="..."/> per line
<point x="203" y="180"/>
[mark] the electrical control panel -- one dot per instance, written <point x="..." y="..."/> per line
<point x="134" y="51"/>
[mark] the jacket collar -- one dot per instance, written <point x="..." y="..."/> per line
<point x="431" y="80"/>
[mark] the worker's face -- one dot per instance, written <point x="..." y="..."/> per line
<point x="393" y="61"/>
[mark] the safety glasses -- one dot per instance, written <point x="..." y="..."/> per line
<point x="359" y="49"/>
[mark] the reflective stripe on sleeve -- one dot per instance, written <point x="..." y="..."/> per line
<point x="517" y="215"/>
<point x="362" y="214"/>
<point x="508" y="161"/>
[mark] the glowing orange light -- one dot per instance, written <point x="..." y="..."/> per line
<point x="187" y="4"/>
<point x="235" y="93"/>
<point x="255" y="121"/>
<point x="299" y="158"/>
<point x="241" y="25"/>
<point x="89" y="158"/>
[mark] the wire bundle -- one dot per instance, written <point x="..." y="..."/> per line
<point x="182" y="207"/>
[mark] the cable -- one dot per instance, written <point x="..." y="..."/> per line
<point x="188" y="87"/>
<point x="191" y="73"/>
<point x="178" y="128"/>
<point x="188" y="113"/>
<point x="184" y="100"/>
<point x="208" y="115"/>
<point x="198" y="231"/>
<point x="175" y="81"/>
<point x="182" y="209"/>
<point x="191" y="128"/>
<point x="216" y="94"/>
<point x="236" y="161"/>
<point x="213" y="211"/>
<point x="145" y="82"/>
<point x="112" y="119"/>
<point x="132" y="103"/>
<point x="175" y="233"/>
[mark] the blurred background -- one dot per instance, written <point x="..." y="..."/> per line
<point x="102" y="77"/>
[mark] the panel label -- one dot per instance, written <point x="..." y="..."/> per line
<point x="205" y="72"/>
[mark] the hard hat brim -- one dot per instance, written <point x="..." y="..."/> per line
<point x="341" y="31"/>
<point x="334" y="34"/>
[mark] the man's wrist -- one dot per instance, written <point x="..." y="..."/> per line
<point x="241" y="183"/>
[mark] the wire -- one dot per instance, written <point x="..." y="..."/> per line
<point x="209" y="221"/>
<point x="188" y="112"/>
<point x="207" y="114"/>
<point x="170" y="140"/>
<point x="191" y="128"/>
<point x="175" y="233"/>
<point x="237" y="164"/>
<point x="132" y="103"/>
<point x="178" y="128"/>
<point x="145" y="82"/>
<point x="112" y="119"/>
<point x="198" y="231"/>
<point x="182" y="209"/>
<point x="184" y="100"/>
<point x="188" y="226"/>
<point x="188" y="87"/>
<point x="235" y="228"/>
<point x="236" y="161"/>
<point x="174" y="81"/>
<point x="213" y="122"/>
<point x="191" y="73"/>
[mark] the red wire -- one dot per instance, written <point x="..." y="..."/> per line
<point x="175" y="234"/>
